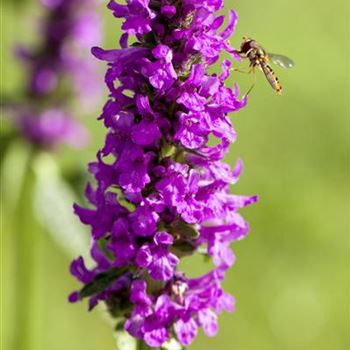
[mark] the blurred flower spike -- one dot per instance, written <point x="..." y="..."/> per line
<point x="162" y="190"/>
<point x="60" y="71"/>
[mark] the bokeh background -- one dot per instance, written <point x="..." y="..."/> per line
<point x="291" y="278"/>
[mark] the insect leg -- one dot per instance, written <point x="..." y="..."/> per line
<point x="254" y="80"/>
<point x="241" y="71"/>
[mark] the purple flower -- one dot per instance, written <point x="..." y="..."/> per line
<point x="193" y="129"/>
<point x="137" y="15"/>
<point x="167" y="187"/>
<point x="61" y="58"/>
<point x="79" y="270"/>
<point x="187" y="304"/>
<point x="161" y="73"/>
<point x="101" y="219"/>
<point x="70" y="28"/>
<point x="186" y="331"/>
<point x="144" y="221"/>
<point x="132" y="167"/>
<point x="52" y="127"/>
<point x="156" y="257"/>
<point x="122" y="242"/>
<point x="147" y="132"/>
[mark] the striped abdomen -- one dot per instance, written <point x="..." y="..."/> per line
<point x="271" y="77"/>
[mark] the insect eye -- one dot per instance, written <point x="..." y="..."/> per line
<point x="245" y="47"/>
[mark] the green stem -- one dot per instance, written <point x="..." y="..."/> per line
<point x="26" y="242"/>
<point x="141" y="345"/>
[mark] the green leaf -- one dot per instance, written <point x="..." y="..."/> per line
<point x="185" y="231"/>
<point x="182" y="248"/>
<point x="168" y="150"/>
<point x="53" y="201"/>
<point x="102" y="244"/>
<point x="101" y="282"/>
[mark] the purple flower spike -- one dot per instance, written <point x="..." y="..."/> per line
<point x="165" y="192"/>
<point x="60" y="69"/>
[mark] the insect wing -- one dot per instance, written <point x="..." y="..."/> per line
<point x="280" y="60"/>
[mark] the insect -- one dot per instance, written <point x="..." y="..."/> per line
<point x="258" y="57"/>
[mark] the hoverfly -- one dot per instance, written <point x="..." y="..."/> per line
<point x="258" y="57"/>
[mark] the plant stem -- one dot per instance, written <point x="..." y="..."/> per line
<point x="26" y="244"/>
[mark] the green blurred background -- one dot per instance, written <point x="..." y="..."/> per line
<point x="291" y="278"/>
